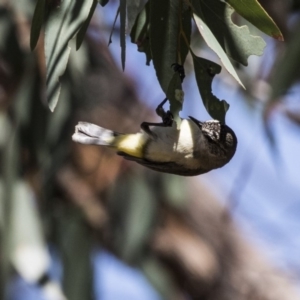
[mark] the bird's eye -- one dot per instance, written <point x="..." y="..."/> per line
<point x="229" y="139"/>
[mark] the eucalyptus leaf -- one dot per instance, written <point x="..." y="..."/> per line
<point x="76" y="249"/>
<point x="175" y="191"/>
<point x="160" y="278"/>
<point x="165" y="37"/>
<point x="205" y="71"/>
<point x="140" y="32"/>
<point x="213" y="43"/>
<point x="113" y="27"/>
<point x="82" y="31"/>
<point x="134" y="7"/>
<point x="37" y="22"/>
<point x="286" y="70"/>
<point x="253" y="12"/>
<point x="123" y="14"/>
<point x="139" y="218"/>
<point x="62" y="24"/>
<point x="236" y="41"/>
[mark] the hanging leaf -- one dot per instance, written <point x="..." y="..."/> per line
<point x="113" y="27"/>
<point x="236" y="41"/>
<point x="82" y="31"/>
<point x="205" y="71"/>
<point x="160" y="278"/>
<point x="140" y="32"/>
<point x="165" y="35"/>
<point x="214" y="44"/>
<point x="139" y="218"/>
<point x="76" y="248"/>
<point x="62" y="24"/>
<point x="253" y="12"/>
<point x="123" y="31"/>
<point x="134" y="7"/>
<point x="37" y="22"/>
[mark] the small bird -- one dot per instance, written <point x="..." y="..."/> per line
<point x="192" y="149"/>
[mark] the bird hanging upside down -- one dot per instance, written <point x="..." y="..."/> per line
<point x="192" y="149"/>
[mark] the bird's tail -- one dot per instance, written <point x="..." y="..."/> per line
<point x="91" y="134"/>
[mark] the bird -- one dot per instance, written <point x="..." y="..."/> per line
<point x="190" y="149"/>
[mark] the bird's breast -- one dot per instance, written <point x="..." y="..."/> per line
<point x="175" y="145"/>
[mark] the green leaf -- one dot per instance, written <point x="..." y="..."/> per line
<point x="133" y="208"/>
<point x="139" y="218"/>
<point x="159" y="277"/>
<point x="140" y="32"/>
<point x="123" y="13"/>
<point x="236" y="41"/>
<point x="165" y="34"/>
<point x="286" y="70"/>
<point x="253" y="12"/>
<point x="214" y="44"/>
<point x="62" y="24"/>
<point x="175" y="191"/>
<point x="81" y="33"/>
<point x="113" y="26"/>
<point x="205" y="71"/>
<point x="134" y="7"/>
<point x="37" y="22"/>
<point x="76" y="250"/>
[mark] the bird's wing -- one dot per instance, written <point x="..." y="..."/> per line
<point x="165" y="167"/>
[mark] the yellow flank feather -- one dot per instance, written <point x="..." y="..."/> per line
<point x="132" y="144"/>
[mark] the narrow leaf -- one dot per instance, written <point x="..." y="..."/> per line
<point x="140" y="32"/>
<point x="139" y="218"/>
<point x="76" y="249"/>
<point x="205" y="71"/>
<point x="82" y="31"/>
<point x="236" y="41"/>
<point x="123" y="32"/>
<point x="253" y="12"/>
<point x="37" y="22"/>
<point x="62" y="24"/>
<point x="164" y="40"/>
<point x="113" y="26"/>
<point x="159" y="276"/>
<point x="214" y="44"/>
<point x="134" y="7"/>
<point x="286" y="70"/>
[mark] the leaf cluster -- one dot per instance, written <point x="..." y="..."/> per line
<point x="162" y="30"/>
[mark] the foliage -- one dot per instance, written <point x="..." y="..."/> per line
<point x="162" y="29"/>
<point x="59" y="207"/>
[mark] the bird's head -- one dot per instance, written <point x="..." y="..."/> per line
<point x="221" y="139"/>
<point x="220" y="135"/>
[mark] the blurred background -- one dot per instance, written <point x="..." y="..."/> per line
<point x="79" y="222"/>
